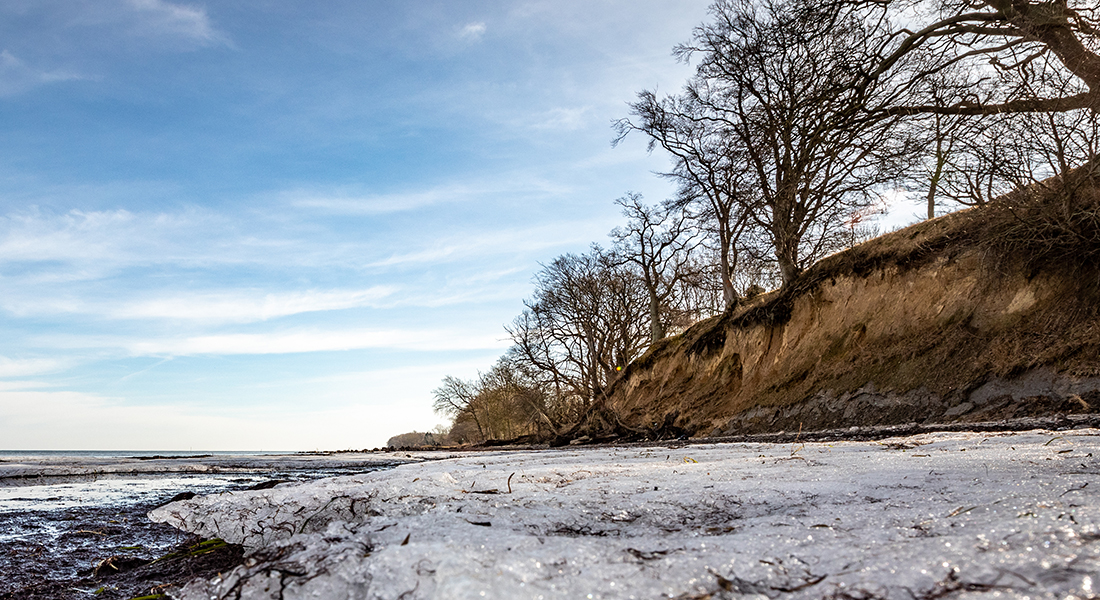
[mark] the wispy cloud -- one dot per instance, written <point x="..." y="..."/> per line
<point x="508" y="241"/>
<point x="236" y="306"/>
<point x="472" y="32"/>
<point x="372" y="204"/>
<point x="78" y="235"/>
<point x="23" y="367"/>
<point x="241" y="307"/>
<point x="158" y="24"/>
<point x="356" y="203"/>
<point x="289" y="342"/>
<point x="21" y="385"/>
<point x="161" y="18"/>
<point x="42" y="254"/>
<point x="87" y="244"/>
<point x="16" y="76"/>
<point x="566" y="119"/>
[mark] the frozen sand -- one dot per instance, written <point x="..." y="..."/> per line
<point x="959" y="515"/>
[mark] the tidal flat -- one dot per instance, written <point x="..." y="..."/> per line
<point x="75" y="525"/>
<point x="945" y="514"/>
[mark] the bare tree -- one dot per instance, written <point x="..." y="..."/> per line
<point x="780" y="80"/>
<point x="710" y="172"/>
<point x="998" y="154"/>
<point x="503" y="402"/>
<point x="947" y="137"/>
<point x="659" y="243"/>
<point x="1018" y="42"/>
<point x="584" y="324"/>
<point x="456" y="397"/>
<point x="526" y="403"/>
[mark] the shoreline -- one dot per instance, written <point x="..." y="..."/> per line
<point x="514" y="471"/>
<point x="864" y="433"/>
<point x="929" y="515"/>
<point x="75" y="525"/>
<point x="36" y="470"/>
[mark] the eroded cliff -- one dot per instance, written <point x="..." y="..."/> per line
<point x="988" y="313"/>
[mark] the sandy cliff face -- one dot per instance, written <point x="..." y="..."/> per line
<point x="969" y="317"/>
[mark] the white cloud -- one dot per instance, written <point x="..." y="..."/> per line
<point x="23" y="367"/>
<point x="350" y="202"/>
<point x="84" y="245"/>
<point x="292" y="341"/>
<point x="17" y="385"/>
<point x="317" y="341"/>
<point x="161" y="18"/>
<point x="509" y="241"/>
<point x="472" y="32"/>
<point x="77" y="236"/>
<point x="241" y="307"/>
<point x="567" y="119"/>
<point x="16" y="76"/>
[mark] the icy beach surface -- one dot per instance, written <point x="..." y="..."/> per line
<point x="959" y="515"/>
<point x="33" y="469"/>
<point x="63" y="513"/>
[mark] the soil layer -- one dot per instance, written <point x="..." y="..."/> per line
<point x="987" y="314"/>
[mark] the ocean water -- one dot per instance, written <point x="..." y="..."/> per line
<point x="106" y="489"/>
<point x="115" y="490"/>
<point x="58" y="454"/>
<point x="39" y="485"/>
<point x="64" y="511"/>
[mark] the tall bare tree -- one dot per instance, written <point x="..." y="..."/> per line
<point x="777" y="89"/>
<point x="659" y="242"/>
<point x="456" y="397"/>
<point x="709" y="170"/>
<point x="586" y="321"/>
<point x="987" y="156"/>
<point x="1018" y="42"/>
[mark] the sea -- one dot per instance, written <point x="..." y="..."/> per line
<point x="99" y="489"/>
<point x="61" y="511"/>
<point x="45" y="480"/>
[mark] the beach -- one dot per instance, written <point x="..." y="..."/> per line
<point x="958" y="514"/>
<point x="950" y="514"/>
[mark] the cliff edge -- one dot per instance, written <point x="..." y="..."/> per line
<point x="984" y="314"/>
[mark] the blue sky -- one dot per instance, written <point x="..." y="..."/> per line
<point x="276" y="224"/>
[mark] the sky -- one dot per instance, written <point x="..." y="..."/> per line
<point x="277" y="225"/>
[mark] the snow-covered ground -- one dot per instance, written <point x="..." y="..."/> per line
<point x="947" y="515"/>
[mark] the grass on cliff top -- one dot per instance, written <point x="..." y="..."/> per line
<point x="1052" y="224"/>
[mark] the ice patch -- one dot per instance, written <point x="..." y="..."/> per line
<point x="954" y="514"/>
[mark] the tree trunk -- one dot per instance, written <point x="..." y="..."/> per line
<point x="656" y="327"/>
<point x="786" y="252"/>
<point x="937" y="174"/>
<point x="789" y="270"/>
<point x="729" y="295"/>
